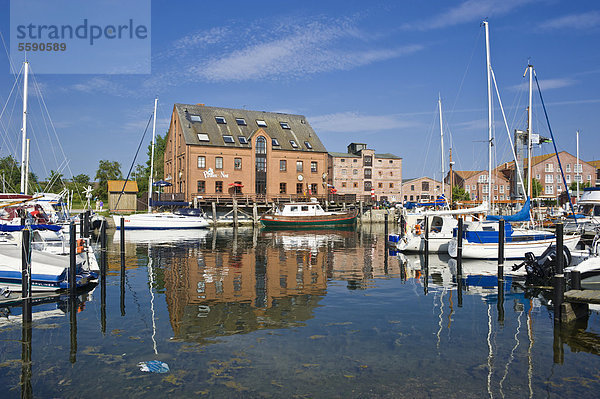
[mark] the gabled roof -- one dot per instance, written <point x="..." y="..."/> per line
<point x="295" y="127"/>
<point x="419" y="178"/>
<point x="117" y="186"/>
<point x="595" y="164"/>
<point x="465" y="174"/>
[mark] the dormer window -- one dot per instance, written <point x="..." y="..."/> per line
<point x="307" y="144"/>
<point x="261" y="123"/>
<point x="220" y="120"/>
<point x="284" y="125"/>
<point x="240" y="121"/>
<point x="203" y="137"/>
<point x="243" y="140"/>
<point x="274" y="142"/>
<point x="195" y="118"/>
<point x="228" y="139"/>
<point x="293" y="144"/>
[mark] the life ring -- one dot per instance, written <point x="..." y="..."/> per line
<point x="418" y="229"/>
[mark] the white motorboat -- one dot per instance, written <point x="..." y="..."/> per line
<point x="161" y="221"/>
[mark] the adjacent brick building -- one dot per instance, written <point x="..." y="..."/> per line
<point x="423" y="189"/>
<point x="361" y="170"/>
<point x="475" y="182"/>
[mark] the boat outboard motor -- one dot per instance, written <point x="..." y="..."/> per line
<point x="541" y="270"/>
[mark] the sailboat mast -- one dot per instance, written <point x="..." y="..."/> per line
<point x="152" y="159"/>
<point x="442" y="143"/>
<point x="24" y="130"/>
<point x="577" y="166"/>
<point x="489" y="82"/>
<point x="529" y="129"/>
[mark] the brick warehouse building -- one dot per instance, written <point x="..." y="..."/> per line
<point x="214" y="152"/>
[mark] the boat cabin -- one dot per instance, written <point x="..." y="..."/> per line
<point x="300" y="209"/>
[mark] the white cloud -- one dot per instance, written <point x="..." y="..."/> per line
<point x="547" y="84"/>
<point x="104" y="86"/>
<point x="468" y="11"/>
<point x="352" y="122"/>
<point x="574" y="21"/>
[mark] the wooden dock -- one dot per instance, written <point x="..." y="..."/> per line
<point x="576" y="304"/>
<point x="583" y="296"/>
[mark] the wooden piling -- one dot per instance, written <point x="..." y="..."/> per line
<point x="254" y="214"/>
<point x="459" y="241"/>
<point x="426" y="238"/>
<point x="72" y="258"/>
<point x="501" y="251"/>
<point x="214" y="212"/>
<point x="559" y="277"/>
<point x="575" y="280"/>
<point x="85" y="233"/>
<point x="235" y="212"/>
<point x="385" y="228"/>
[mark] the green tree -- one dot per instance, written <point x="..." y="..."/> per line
<point x="107" y="170"/>
<point x="55" y="182"/>
<point x="10" y="172"/>
<point x="582" y="185"/>
<point x="459" y="194"/>
<point x="159" y="157"/>
<point x="141" y="177"/>
<point x="536" y="187"/>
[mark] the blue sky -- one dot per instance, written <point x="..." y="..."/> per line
<point x="360" y="71"/>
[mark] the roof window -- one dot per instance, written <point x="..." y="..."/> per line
<point x="274" y="142"/>
<point x="307" y="144"/>
<point x="228" y="139"/>
<point x="220" y="120"/>
<point x="243" y="140"/>
<point x="240" y="121"/>
<point x="293" y="143"/>
<point x="284" y="125"/>
<point x="195" y="118"/>
<point x="203" y="137"/>
<point x="261" y="123"/>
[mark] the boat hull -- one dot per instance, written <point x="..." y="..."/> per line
<point x="162" y="221"/>
<point x="345" y="219"/>
<point x="414" y="243"/>
<point x="512" y="250"/>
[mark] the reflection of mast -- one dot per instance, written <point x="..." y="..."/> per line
<point x="490" y="352"/>
<point x="512" y="353"/>
<point x="151" y="282"/>
<point x="529" y="349"/>
<point x="440" y="317"/>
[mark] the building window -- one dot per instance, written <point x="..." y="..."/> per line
<point x="218" y="187"/>
<point x="282" y="188"/>
<point x="485" y="189"/>
<point x="391" y="185"/>
<point x="482" y="179"/>
<point x="274" y="142"/>
<point x="219" y="163"/>
<point x="391" y="161"/>
<point x="468" y="188"/>
<point x="568" y="168"/>
<point x="282" y="165"/>
<point x="307" y="144"/>
<point x="261" y="123"/>
<point x="299" y="187"/>
<point x="368" y="160"/>
<point x="549" y="178"/>
<point x="243" y="140"/>
<point x="367" y="173"/>
<point x="313" y="188"/>
<point x="368" y="186"/>
<point x="261" y="164"/>
<point x="343" y="160"/>
<point x="228" y="139"/>
<point x="425" y="186"/>
<point x="344" y="184"/>
<point x="379" y="185"/>
<point x="589" y="177"/>
<point x="549" y="167"/>
<point x="549" y="190"/>
<point x="578" y="168"/>
<point x="495" y="187"/>
<point x="313" y="167"/>
<point x="220" y="120"/>
<point x="203" y="137"/>
<point x="502" y="189"/>
<point x="568" y="177"/>
<point x="354" y="160"/>
<point x="391" y="173"/>
<point x="299" y="166"/>
<point x="240" y="121"/>
<point x="201" y="162"/>
<point x="237" y="163"/>
<point x="261" y="145"/>
<point x="284" y="125"/>
<point x="344" y="172"/>
<point x="412" y="187"/>
<point x="201" y="186"/>
<point x="355" y="185"/>
<point x="495" y="198"/>
<point x="412" y="198"/>
<point x="355" y="172"/>
<point x="293" y="144"/>
<point x="195" y="118"/>
<point x="578" y="178"/>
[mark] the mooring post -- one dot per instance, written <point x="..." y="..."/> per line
<point x="501" y="270"/>
<point x="360" y="214"/>
<point x="576" y="280"/>
<point x="559" y="277"/>
<point x="81" y="223"/>
<point x="254" y="214"/>
<point x="103" y="261"/>
<point x="86" y="225"/>
<point x="72" y="258"/>
<point x="73" y="328"/>
<point x="385" y="230"/>
<point x="426" y="238"/>
<point x="26" y="335"/>
<point x="26" y="274"/>
<point x="459" y="242"/>
<point x="214" y="212"/>
<point x="402" y="225"/>
<point x="235" y="212"/>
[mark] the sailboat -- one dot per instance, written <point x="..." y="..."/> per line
<point x="480" y="239"/>
<point x="159" y="220"/>
<point x="441" y="222"/>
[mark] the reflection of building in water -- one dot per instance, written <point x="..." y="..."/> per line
<point x="211" y="293"/>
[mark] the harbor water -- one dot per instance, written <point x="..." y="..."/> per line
<point x="255" y="313"/>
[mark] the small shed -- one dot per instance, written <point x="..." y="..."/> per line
<point x="127" y="200"/>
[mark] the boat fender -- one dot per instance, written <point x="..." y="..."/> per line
<point x="80" y="243"/>
<point x="418" y="229"/>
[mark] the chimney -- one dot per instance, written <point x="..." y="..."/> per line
<point x="202" y="105"/>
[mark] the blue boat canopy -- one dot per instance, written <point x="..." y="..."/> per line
<point x="17" y="227"/>
<point x="521" y="216"/>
